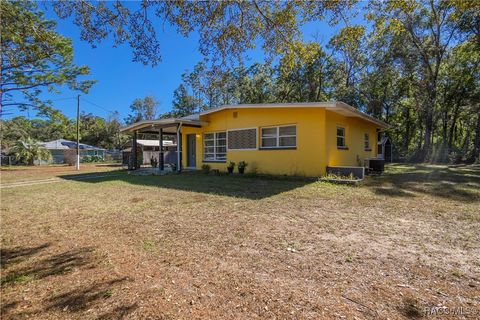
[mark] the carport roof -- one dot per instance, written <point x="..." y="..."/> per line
<point x="169" y="125"/>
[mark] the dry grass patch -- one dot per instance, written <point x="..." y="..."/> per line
<point x="199" y="246"/>
<point x="15" y="174"/>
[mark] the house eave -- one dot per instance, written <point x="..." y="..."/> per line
<point x="334" y="106"/>
<point x="150" y="125"/>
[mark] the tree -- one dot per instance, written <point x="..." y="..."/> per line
<point x="34" y="57"/>
<point x="348" y="46"/>
<point x="143" y="109"/>
<point x="54" y="125"/>
<point x="227" y="29"/>
<point x="306" y="75"/>
<point x="429" y="28"/>
<point x="183" y="103"/>
<point x="28" y="150"/>
<point x="112" y="137"/>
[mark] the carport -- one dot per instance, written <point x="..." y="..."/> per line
<point x="161" y="127"/>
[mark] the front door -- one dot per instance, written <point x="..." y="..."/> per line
<point x="191" y="150"/>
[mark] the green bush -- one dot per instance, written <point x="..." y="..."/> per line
<point x="206" y="168"/>
<point x="153" y="162"/>
<point x="91" y="159"/>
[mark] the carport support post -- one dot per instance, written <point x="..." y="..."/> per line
<point x="179" y="144"/>
<point x="134" y="150"/>
<point x="160" y="154"/>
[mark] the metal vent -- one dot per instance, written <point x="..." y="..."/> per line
<point x="242" y="139"/>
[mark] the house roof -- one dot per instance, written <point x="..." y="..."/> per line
<point x="62" y="144"/>
<point x="194" y="119"/>
<point x="168" y="124"/>
<point x="335" y="106"/>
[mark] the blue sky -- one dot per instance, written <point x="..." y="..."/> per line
<point x="120" y="81"/>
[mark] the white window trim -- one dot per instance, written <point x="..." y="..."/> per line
<point x="278" y="136"/>
<point x="214" y="146"/>
<point x="366" y="146"/>
<point x="344" y="136"/>
<point x="240" y="129"/>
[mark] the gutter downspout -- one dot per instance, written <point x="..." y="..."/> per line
<point x="133" y="153"/>
<point x="179" y="143"/>
<point x="160" y="154"/>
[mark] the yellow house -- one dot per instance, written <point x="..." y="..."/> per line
<point x="281" y="139"/>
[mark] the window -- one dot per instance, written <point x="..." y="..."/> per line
<point x="215" y="146"/>
<point x="242" y="139"/>
<point x="366" y="142"/>
<point x="279" y="137"/>
<point x="341" y="137"/>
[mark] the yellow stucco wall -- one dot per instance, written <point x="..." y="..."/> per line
<point x="355" y="128"/>
<point x="316" y="140"/>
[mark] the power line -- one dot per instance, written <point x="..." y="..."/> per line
<point x="61" y="99"/>
<point x="98" y="106"/>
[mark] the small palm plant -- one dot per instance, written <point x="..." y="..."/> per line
<point x="29" y="150"/>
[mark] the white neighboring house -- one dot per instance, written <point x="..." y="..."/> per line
<point x="61" y="148"/>
<point x="151" y="148"/>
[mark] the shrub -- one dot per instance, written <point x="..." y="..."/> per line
<point x="153" y="162"/>
<point x="29" y="150"/>
<point x="91" y="159"/>
<point x="242" y="165"/>
<point x="70" y="157"/>
<point x="206" y="168"/>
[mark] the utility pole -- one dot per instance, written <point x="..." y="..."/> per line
<point x="78" y="132"/>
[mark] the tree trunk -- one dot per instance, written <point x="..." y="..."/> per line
<point x="428" y="136"/>
<point x="476" y="144"/>
<point x="418" y="154"/>
<point x="445" y="127"/>
<point x="452" y="127"/>
<point x="406" y="143"/>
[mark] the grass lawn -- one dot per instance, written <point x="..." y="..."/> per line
<point x="220" y="247"/>
<point x="15" y="174"/>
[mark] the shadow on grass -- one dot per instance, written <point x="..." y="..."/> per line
<point x="460" y="183"/>
<point x="54" y="265"/>
<point x="19" y="254"/>
<point x="119" y="312"/>
<point x="80" y="299"/>
<point x="73" y="300"/>
<point x="250" y="187"/>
